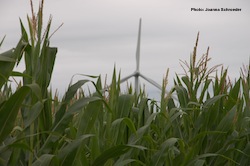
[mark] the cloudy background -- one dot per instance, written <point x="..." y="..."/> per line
<point x="97" y="35"/>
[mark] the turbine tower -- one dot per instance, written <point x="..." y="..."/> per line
<point x="137" y="72"/>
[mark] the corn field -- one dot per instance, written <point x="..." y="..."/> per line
<point x="204" y="119"/>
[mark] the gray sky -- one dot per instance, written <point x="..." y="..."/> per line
<point x="98" y="34"/>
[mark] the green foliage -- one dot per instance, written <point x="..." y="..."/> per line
<point x="204" y="120"/>
<point x="8" y="60"/>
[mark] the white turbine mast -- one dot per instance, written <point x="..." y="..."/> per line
<point x="137" y="72"/>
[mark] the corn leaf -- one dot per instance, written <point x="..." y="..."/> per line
<point x="1" y="42"/>
<point x="159" y="158"/>
<point x="33" y="114"/>
<point x="67" y="155"/>
<point x="128" y="161"/>
<point x="9" y="111"/>
<point x="44" y="160"/>
<point x="67" y="98"/>
<point x="89" y="116"/>
<point x="113" y="153"/>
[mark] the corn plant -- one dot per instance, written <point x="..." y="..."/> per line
<point x="11" y="103"/>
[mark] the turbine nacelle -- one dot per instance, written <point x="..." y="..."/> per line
<point x="137" y="73"/>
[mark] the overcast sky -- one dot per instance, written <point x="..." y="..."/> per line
<point x="98" y="34"/>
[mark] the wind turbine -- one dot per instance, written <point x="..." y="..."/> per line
<point x="137" y="72"/>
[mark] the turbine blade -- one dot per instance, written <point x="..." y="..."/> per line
<point x="126" y="78"/>
<point x="156" y="85"/>
<point x="151" y="81"/>
<point x="138" y="48"/>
